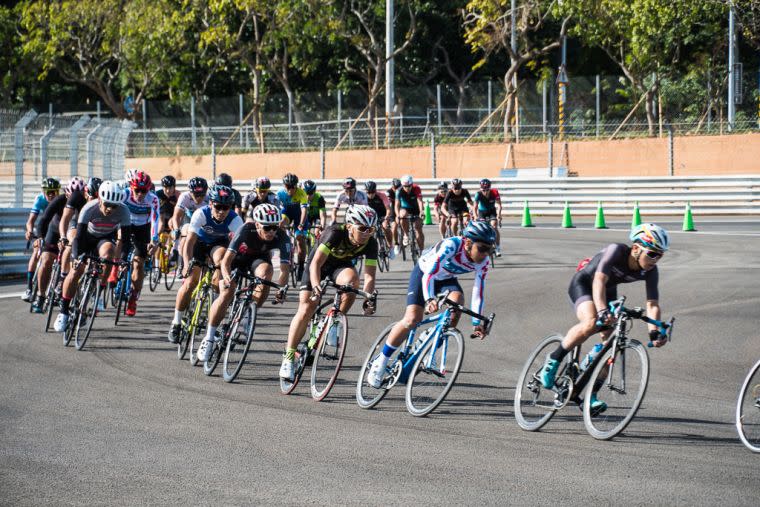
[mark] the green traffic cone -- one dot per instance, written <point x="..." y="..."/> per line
<point x="600" y="223"/>
<point x="688" y="220"/>
<point x="526" y="221"/>
<point x="428" y="217"/>
<point x="636" y="220"/>
<point x="567" y="220"/>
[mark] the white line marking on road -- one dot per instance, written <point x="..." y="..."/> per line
<point x="14" y="295"/>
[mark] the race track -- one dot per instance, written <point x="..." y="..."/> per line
<point x="123" y="422"/>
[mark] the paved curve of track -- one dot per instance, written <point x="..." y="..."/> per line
<point x="125" y="422"/>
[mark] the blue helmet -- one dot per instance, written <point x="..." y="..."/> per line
<point x="480" y="231"/>
<point x="221" y="194"/>
<point x="309" y="186"/>
<point x="651" y="236"/>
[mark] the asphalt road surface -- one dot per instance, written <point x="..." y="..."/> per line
<point x="124" y="422"/>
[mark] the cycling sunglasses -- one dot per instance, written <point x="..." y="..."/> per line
<point x="364" y="229"/>
<point x="270" y="228"/>
<point x="289" y="187"/>
<point x="483" y="248"/>
<point x="221" y="207"/>
<point x="652" y="254"/>
<point x="109" y="205"/>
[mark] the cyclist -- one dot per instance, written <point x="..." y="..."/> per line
<point x="443" y="188"/>
<point x="207" y="238"/>
<point x="408" y="204"/>
<point x="167" y="199"/>
<point x="348" y="197"/>
<point x="338" y="246"/>
<point x="488" y="207"/>
<point x="67" y="228"/>
<point x="100" y="228"/>
<point x="435" y="272"/>
<point x="391" y="193"/>
<point x="50" y="189"/>
<point x="225" y="180"/>
<point x="193" y="198"/>
<point x="261" y="194"/>
<point x="379" y="202"/>
<point x="455" y="205"/>
<point x="250" y="251"/>
<point x="316" y="213"/>
<point x="294" y="204"/>
<point x="594" y="285"/>
<point x="143" y="207"/>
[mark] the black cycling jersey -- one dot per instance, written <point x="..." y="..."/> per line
<point x="613" y="262"/>
<point x="335" y="243"/>
<point x="166" y="202"/>
<point x="248" y="245"/>
<point x="457" y="203"/>
<point x="377" y="204"/>
<point x="51" y="214"/>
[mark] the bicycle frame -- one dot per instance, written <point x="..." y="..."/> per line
<point x="203" y="283"/>
<point x="407" y="358"/>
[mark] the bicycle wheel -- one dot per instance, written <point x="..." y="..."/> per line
<point x="35" y="287"/>
<point x="328" y="357"/>
<point x="621" y="382"/>
<point x="534" y="404"/>
<point x="434" y="372"/>
<point x="748" y="410"/>
<point x="51" y="300"/>
<point x="171" y="274"/>
<point x="119" y="294"/>
<point x="183" y="340"/>
<point x="154" y="275"/>
<point x="366" y="395"/>
<point x="239" y="343"/>
<point x="203" y="306"/>
<point x="87" y="311"/>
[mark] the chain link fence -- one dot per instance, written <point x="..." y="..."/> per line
<point x="36" y="146"/>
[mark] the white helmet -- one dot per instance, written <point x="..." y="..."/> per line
<point x="406" y="180"/>
<point x="266" y="214"/>
<point x="651" y="236"/>
<point x="129" y="174"/>
<point x="358" y="214"/>
<point x="112" y="193"/>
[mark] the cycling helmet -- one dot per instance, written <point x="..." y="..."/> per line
<point x="51" y="184"/>
<point x="263" y="183"/>
<point x="290" y="180"/>
<point x="168" y="181"/>
<point x="197" y="185"/>
<point x="443" y="186"/>
<point x="75" y="184"/>
<point x="480" y="231"/>
<point x="651" y="236"/>
<point x="129" y="174"/>
<point x="456" y="183"/>
<point x="309" y="186"/>
<point x="224" y="179"/>
<point x="485" y="183"/>
<point x="112" y="192"/>
<point x="93" y="185"/>
<point x="266" y="214"/>
<point x="396" y="183"/>
<point x="140" y="181"/>
<point x="406" y="180"/>
<point x="358" y="214"/>
<point x="221" y="194"/>
<point x="349" y="183"/>
<point x="370" y="186"/>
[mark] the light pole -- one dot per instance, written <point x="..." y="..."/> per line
<point x="731" y="67"/>
<point x="389" y="71"/>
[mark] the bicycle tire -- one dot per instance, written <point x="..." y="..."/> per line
<point x="286" y="386"/>
<point x="154" y="276"/>
<point x="88" y="311"/>
<point x="366" y="395"/>
<point x="171" y="275"/>
<point x="616" y="418"/>
<point x="236" y="351"/>
<point x="183" y="341"/>
<point x="748" y="421"/>
<point x="200" y="324"/>
<point x="119" y="295"/>
<point x="531" y="411"/>
<point x="328" y="358"/>
<point x="418" y="402"/>
<point x="35" y="287"/>
<point x="50" y="300"/>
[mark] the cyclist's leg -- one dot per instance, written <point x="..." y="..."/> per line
<point x="402" y="214"/>
<point x="387" y="232"/>
<point x="442" y="224"/>
<point x="220" y="305"/>
<point x="346" y="276"/>
<point x="453" y="223"/>
<point x="495" y="224"/>
<point x="66" y="256"/>
<point x="50" y="251"/>
<point x="394" y="230"/>
<point x="306" y="308"/>
<point x="420" y="234"/>
<point x="264" y="270"/>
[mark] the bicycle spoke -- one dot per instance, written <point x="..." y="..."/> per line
<point x="434" y="372"/>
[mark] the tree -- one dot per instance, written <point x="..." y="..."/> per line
<point x="488" y="29"/>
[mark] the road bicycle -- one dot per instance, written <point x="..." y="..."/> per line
<point x="618" y="375"/>
<point x="748" y="410"/>
<point x="414" y="249"/>
<point x="195" y="316"/>
<point x="428" y="362"/>
<point x="383" y="250"/>
<point x="53" y="293"/>
<point x="236" y="333"/>
<point x="161" y="265"/>
<point x="326" y="346"/>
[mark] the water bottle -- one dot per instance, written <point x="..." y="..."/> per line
<point x="595" y="350"/>
<point x="421" y="338"/>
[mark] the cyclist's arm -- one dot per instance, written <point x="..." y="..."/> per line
<point x="334" y="211"/>
<point x="156" y="224"/>
<point x="226" y="266"/>
<point x="304" y="214"/>
<point x="315" y="268"/>
<point x="599" y="290"/>
<point x="431" y="266"/>
<point x="653" y="312"/>
<point x="175" y="220"/>
<point x="30" y="224"/>
<point x="369" y="276"/>
<point x="187" y="247"/>
<point x="478" y="294"/>
<point x="63" y="225"/>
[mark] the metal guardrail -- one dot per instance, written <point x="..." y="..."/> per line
<point x="13" y="259"/>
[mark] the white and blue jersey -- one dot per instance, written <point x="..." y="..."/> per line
<point x="144" y="211"/>
<point x="40" y="203"/>
<point x="445" y="261"/>
<point x="210" y="231"/>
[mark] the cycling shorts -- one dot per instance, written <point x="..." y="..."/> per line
<point x="580" y="289"/>
<point x="414" y="294"/>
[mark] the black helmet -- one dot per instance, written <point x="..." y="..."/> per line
<point x="370" y="186"/>
<point x="221" y="194"/>
<point x="51" y="184"/>
<point x="168" y="181"/>
<point x="197" y="185"/>
<point x="224" y="179"/>
<point x="443" y="186"/>
<point x="456" y="183"/>
<point x="349" y="183"/>
<point x="396" y="183"/>
<point x="290" y="180"/>
<point x="309" y="186"/>
<point x="485" y="183"/>
<point x="263" y="183"/>
<point x="93" y="185"/>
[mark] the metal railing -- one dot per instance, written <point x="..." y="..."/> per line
<point x="13" y="258"/>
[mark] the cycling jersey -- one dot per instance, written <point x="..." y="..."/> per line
<point x="457" y="204"/>
<point x="612" y="260"/>
<point x="51" y="214"/>
<point x="447" y="259"/>
<point x="316" y="204"/>
<point x="93" y="226"/>
<point x="487" y="203"/>
<point x="391" y="193"/>
<point x="335" y="243"/>
<point x="144" y="211"/>
<point x="76" y="202"/>
<point x="248" y="245"/>
<point x="238" y="198"/>
<point x="438" y="200"/>
<point x="378" y="202"/>
<point x="291" y="206"/>
<point x="343" y="199"/>
<point x="209" y="230"/>
<point x="186" y="203"/>
<point x="39" y="205"/>
<point x="252" y="200"/>
<point x="408" y="200"/>
<point x="167" y="202"/>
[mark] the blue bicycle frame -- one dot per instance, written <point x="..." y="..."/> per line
<point x="408" y="358"/>
<point x="148" y="268"/>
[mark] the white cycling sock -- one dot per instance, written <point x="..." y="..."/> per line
<point x="177" y="317"/>
<point x="211" y="332"/>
